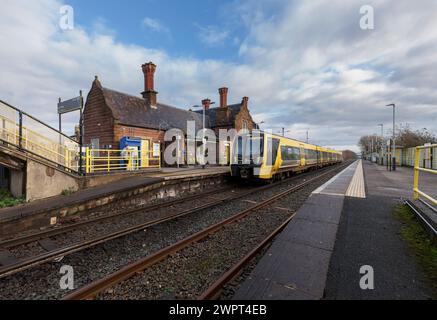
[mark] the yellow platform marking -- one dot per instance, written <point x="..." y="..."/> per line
<point x="321" y="189"/>
<point x="356" y="188"/>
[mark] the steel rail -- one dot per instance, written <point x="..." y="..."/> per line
<point x="14" y="242"/>
<point x="66" y="250"/>
<point x="94" y="288"/>
<point x="420" y="215"/>
<point x="214" y="290"/>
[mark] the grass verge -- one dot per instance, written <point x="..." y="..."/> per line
<point x="420" y="243"/>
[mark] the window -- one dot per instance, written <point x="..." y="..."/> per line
<point x="95" y="145"/>
<point x="244" y="126"/>
<point x="310" y="154"/>
<point x="290" y="153"/>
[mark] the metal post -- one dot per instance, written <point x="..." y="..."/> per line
<point x="416" y="174"/>
<point x="60" y="119"/>
<point x="382" y="141"/>
<point x="20" y="129"/>
<point x="203" y="139"/>
<point x="81" y="133"/>
<point x="394" y="140"/>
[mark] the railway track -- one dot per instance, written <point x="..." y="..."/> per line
<point x="27" y="251"/>
<point x="49" y="250"/>
<point x="253" y="214"/>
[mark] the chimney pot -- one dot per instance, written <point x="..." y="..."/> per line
<point x="206" y="103"/>
<point x="245" y="101"/>
<point x="223" y="97"/>
<point x="149" y="93"/>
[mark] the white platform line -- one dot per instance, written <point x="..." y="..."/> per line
<point x="326" y="184"/>
<point x="356" y="188"/>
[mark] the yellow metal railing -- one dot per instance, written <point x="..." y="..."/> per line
<point x="108" y="160"/>
<point x="417" y="169"/>
<point x="38" y="144"/>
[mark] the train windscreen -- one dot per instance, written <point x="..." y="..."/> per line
<point x="249" y="149"/>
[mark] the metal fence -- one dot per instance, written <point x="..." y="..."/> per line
<point x="25" y="132"/>
<point x="107" y="160"/>
<point x="427" y="160"/>
<point x="417" y="169"/>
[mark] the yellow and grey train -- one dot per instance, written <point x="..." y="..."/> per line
<point x="267" y="156"/>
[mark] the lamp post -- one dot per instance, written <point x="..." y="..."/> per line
<point x="394" y="137"/>
<point x="204" y="107"/>
<point x="382" y="140"/>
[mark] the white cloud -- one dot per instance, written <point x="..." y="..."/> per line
<point x="154" y="25"/>
<point x="213" y="35"/>
<point x="305" y="65"/>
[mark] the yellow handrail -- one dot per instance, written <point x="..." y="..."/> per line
<point x="109" y="160"/>
<point x="417" y="169"/>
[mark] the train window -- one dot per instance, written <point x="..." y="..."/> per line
<point x="310" y="154"/>
<point x="290" y="153"/>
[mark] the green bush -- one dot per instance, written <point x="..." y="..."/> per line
<point x="8" y="200"/>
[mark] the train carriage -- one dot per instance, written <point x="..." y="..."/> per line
<point x="266" y="156"/>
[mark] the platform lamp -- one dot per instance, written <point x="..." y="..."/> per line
<point x="394" y="137"/>
<point x="203" y="132"/>
<point x="382" y="140"/>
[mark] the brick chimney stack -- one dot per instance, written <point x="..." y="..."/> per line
<point x="149" y="93"/>
<point x="206" y="103"/>
<point x="245" y="101"/>
<point x="223" y="97"/>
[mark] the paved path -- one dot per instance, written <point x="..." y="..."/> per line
<point x="345" y="224"/>
<point x="369" y="235"/>
<point x="296" y="265"/>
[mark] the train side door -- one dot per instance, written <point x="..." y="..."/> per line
<point x="302" y="156"/>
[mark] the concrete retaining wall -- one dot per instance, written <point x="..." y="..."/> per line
<point x="43" y="181"/>
<point x="133" y="197"/>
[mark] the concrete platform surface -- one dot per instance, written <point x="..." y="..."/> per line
<point x="296" y="265"/>
<point x="345" y="224"/>
<point x="369" y="235"/>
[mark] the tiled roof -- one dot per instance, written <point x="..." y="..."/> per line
<point x="133" y="111"/>
<point x="211" y="113"/>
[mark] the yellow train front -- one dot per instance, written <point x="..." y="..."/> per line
<point x="266" y="156"/>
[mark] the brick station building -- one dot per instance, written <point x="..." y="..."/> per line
<point x="110" y="115"/>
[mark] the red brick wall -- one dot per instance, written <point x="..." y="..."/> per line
<point x="153" y="135"/>
<point x="98" y="120"/>
<point x="242" y="116"/>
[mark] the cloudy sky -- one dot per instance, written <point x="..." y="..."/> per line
<point x="304" y="64"/>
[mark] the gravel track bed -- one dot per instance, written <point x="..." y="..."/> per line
<point x="42" y="282"/>
<point x="136" y="202"/>
<point x="96" y="229"/>
<point x="187" y="273"/>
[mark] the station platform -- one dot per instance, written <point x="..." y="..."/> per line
<point x="92" y="197"/>
<point x="345" y="224"/>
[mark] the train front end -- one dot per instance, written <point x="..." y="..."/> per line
<point x="247" y="155"/>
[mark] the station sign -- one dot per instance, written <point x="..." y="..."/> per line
<point x="70" y="105"/>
